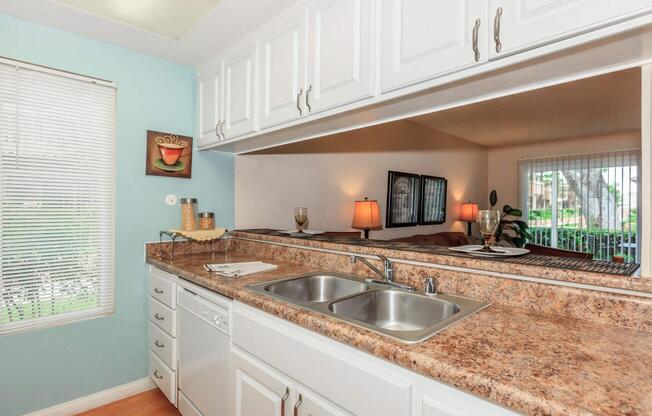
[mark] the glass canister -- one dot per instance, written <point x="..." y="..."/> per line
<point x="189" y="214"/>
<point x="206" y="221"/>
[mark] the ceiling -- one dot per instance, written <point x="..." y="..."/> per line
<point x="170" y="18"/>
<point x="189" y="32"/>
<point x="604" y="104"/>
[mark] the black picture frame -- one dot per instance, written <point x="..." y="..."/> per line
<point x="432" y="200"/>
<point x="403" y="190"/>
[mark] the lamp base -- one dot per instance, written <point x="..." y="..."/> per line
<point x="468" y="230"/>
<point x="366" y="233"/>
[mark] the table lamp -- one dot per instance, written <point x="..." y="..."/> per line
<point x="468" y="212"/>
<point x="366" y="216"/>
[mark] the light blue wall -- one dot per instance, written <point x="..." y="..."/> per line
<point x="45" y="367"/>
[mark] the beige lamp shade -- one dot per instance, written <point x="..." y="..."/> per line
<point x="366" y="215"/>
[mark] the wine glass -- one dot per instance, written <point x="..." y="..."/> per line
<point x="488" y="220"/>
<point x="301" y="217"/>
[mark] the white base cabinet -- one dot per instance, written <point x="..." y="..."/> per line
<point x="278" y="365"/>
<point x="162" y="333"/>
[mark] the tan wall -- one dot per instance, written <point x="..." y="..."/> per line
<point x="327" y="175"/>
<point x="503" y="175"/>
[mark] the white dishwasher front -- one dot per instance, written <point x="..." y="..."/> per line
<point x="203" y="348"/>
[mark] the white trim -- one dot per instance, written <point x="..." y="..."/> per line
<point x="467" y="270"/>
<point x="646" y="170"/>
<point x="98" y="399"/>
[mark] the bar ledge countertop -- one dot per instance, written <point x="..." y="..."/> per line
<point x="533" y="363"/>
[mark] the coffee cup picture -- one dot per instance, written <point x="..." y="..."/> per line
<point x="168" y="154"/>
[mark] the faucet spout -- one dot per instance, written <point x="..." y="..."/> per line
<point x="387" y="274"/>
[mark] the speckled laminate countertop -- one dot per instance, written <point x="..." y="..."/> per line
<point x="534" y="364"/>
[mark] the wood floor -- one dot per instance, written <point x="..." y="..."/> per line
<point x="149" y="403"/>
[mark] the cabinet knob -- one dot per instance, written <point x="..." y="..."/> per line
<point x="157" y="290"/>
<point x="159" y="317"/>
<point x="156" y="374"/>
<point x="158" y="344"/>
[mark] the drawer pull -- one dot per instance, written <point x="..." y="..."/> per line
<point x="299" y="102"/>
<point x="159" y="317"/>
<point x="283" y="399"/>
<point x="156" y="374"/>
<point x="499" y="14"/>
<point x="308" y="98"/>
<point x="158" y="344"/>
<point x="296" y="406"/>
<point x="476" y="50"/>
<point x="159" y="291"/>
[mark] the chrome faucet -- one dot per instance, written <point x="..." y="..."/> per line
<point x="387" y="273"/>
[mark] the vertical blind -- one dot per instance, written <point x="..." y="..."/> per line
<point x="57" y="162"/>
<point x="588" y="203"/>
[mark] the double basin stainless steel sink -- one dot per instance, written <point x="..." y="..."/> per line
<point x="406" y="316"/>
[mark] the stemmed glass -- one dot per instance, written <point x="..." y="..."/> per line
<point x="301" y="217"/>
<point x="488" y="221"/>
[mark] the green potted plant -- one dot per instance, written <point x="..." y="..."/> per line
<point x="512" y="228"/>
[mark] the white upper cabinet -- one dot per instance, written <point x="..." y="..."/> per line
<point x="422" y="39"/>
<point x="523" y="24"/>
<point x="283" y="70"/>
<point x="209" y="91"/>
<point x="340" y="53"/>
<point x="240" y="91"/>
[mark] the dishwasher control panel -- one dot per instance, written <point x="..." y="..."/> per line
<point x="208" y="311"/>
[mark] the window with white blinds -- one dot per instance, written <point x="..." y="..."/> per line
<point x="587" y="203"/>
<point x="57" y="164"/>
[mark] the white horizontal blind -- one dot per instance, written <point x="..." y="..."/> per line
<point x="57" y="163"/>
<point x="587" y="203"/>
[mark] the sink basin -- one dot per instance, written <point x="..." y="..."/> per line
<point x="394" y="310"/>
<point x="405" y="316"/>
<point x="316" y="288"/>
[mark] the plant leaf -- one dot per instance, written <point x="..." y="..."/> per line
<point x="506" y="209"/>
<point x="493" y="198"/>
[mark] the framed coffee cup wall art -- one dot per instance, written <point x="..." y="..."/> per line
<point x="168" y="155"/>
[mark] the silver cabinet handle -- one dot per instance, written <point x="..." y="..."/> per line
<point x="308" y="98"/>
<point x="158" y="317"/>
<point x="217" y="125"/>
<point x="476" y="28"/>
<point x="283" y="399"/>
<point x="158" y="344"/>
<point x="157" y="375"/>
<point x="299" y="102"/>
<point x="297" y="405"/>
<point x="222" y="129"/>
<point x="157" y="290"/>
<point x="499" y="14"/>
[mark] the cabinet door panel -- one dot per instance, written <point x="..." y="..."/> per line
<point x="209" y="106"/>
<point x="239" y="92"/>
<point x="341" y="56"/>
<point x="422" y="39"/>
<point x="283" y="67"/>
<point x="526" y="24"/>
<point x="258" y="390"/>
<point x="313" y="405"/>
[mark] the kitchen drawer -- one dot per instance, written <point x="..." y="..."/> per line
<point x="162" y="288"/>
<point x="163" y="316"/>
<point x="164" y="377"/>
<point x="163" y="345"/>
<point x="186" y="408"/>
